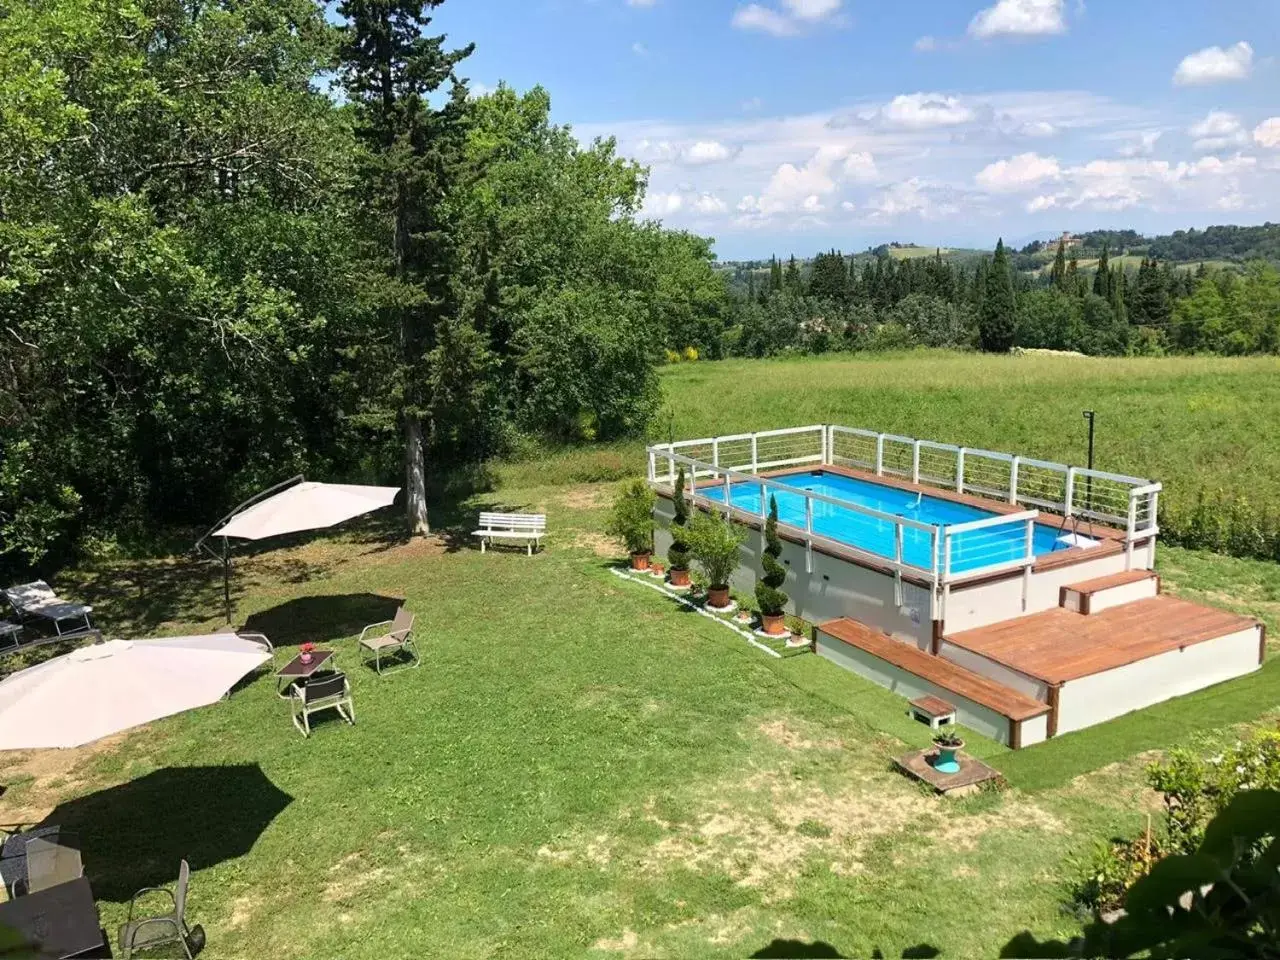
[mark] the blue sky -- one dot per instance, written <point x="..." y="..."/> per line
<point x="796" y="125"/>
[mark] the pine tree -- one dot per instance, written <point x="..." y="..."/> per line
<point x="775" y="275"/>
<point x="1102" y="276"/>
<point x="1118" y="285"/>
<point x="791" y="281"/>
<point x="996" y="317"/>
<point x="678" y="555"/>
<point x="390" y="67"/>
<point x="1058" y="275"/>
<point x="769" y="596"/>
<point x="1074" y="283"/>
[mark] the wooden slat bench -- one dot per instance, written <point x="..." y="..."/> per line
<point x="528" y="528"/>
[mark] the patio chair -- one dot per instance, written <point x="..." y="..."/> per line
<point x="398" y="637"/>
<point x="321" y="692"/>
<point x="36" y="600"/>
<point x="50" y="863"/>
<point x="147" y="933"/>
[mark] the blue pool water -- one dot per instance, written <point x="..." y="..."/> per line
<point x="969" y="550"/>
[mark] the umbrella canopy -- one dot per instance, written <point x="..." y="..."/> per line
<point x="305" y="506"/>
<point x="101" y="689"/>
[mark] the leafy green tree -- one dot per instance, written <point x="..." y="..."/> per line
<point x="1200" y="319"/>
<point x="996" y="318"/>
<point x="769" y="595"/>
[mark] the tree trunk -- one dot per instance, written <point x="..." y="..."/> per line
<point x="415" y="486"/>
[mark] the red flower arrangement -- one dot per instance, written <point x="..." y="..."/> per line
<point x="307" y="649"/>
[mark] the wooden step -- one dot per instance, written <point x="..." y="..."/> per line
<point x="943" y="673"/>
<point x="1090" y="597"/>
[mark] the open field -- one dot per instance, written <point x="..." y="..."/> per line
<point x="1190" y="422"/>
<point x="577" y="769"/>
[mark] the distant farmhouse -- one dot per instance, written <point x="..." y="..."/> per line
<point x="1068" y="241"/>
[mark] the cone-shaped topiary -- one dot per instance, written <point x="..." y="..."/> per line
<point x="678" y="555"/>
<point x="771" y="599"/>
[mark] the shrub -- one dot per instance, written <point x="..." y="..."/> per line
<point x="770" y="598"/>
<point x="672" y="356"/>
<point x="691" y="354"/>
<point x="678" y="555"/>
<point x="714" y="543"/>
<point x="631" y="520"/>
<point x="1112" y="869"/>
<point x="1230" y="525"/>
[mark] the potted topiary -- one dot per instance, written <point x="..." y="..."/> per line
<point x="771" y="600"/>
<point x="678" y="555"/>
<point x="714" y="543"/>
<point x="948" y="743"/>
<point x="631" y="521"/>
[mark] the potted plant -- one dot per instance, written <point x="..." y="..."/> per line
<point x="948" y="743"/>
<point x="305" y="651"/>
<point x="657" y="569"/>
<point x="631" y="521"/>
<point x="714" y="543"/>
<point x="769" y="597"/>
<point x="678" y="555"/>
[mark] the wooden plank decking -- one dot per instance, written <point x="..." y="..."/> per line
<point x="1098" y="584"/>
<point x="1059" y="645"/>
<point x="950" y="676"/>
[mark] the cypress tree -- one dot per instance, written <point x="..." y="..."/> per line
<point x="1059" y="272"/>
<point x="678" y="555"/>
<point x="775" y="275"/>
<point x="996" y="317"/>
<point x="791" y="281"/>
<point x="751" y="285"/>
<point x="769" y="596"/>
<point x="1119" y="287"/>
<point x="1073" y="282"/>
<point x="1102" y="276"/>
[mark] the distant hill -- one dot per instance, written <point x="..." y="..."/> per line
<point x="1223" y="244"/>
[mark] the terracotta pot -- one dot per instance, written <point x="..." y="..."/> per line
<point x="656" y="569"/>
<point x="679" y="578"/>
<point x="718" y="597"/>
<point x="640" y="561"/>
<point x="775" y="624"/>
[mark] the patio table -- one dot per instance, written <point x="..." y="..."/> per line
<point x="295" y="670"/>
<point x="60" y="921"/>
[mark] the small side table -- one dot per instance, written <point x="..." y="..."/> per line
<point x="296" y="670"/>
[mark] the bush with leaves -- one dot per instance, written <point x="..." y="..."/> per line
<point x="631" y="519"/>
<point x="678" y="555"/>
<point x="1222" y="900"/>
<point x="714" y="543"/>
<point x="769" y="596"/>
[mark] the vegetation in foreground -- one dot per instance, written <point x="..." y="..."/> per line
<point x="578" y="769"/>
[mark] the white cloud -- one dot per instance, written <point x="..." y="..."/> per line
<point x="912" y="196"/>
<point x="660" y="204"/>
<point x="848" y="205"/>
<point x="860" y="167"/>
<point x="1018" y="173"/>
<point x="751" y="104"/>
<point x="705" y="151"/>
<point x="710" y="203"/>
<point x="794" y="17"/>
<point x="639" y="49"/>
<point x="922" y="110"/>
<point x="1215" y="65"/>
<point x="812" y="204"/>
<point x="1143" y="144"/>
<point x="802" y="188"/>
<point x="1267" y="133"/>
<point x="925" y="44"/>
<point x="1218" y="131"/>
<point x="1019" y="18"/>
<point x="1041" y="203"/>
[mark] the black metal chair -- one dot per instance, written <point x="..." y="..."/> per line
<point x="321" y="692"/>
<point x="162" y="930"/>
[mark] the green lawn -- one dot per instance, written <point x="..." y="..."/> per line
<point x="577" y="769"/>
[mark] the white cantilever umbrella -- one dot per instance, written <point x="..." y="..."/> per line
<point x="299" y="505"/>
<point x="104" y="688"/>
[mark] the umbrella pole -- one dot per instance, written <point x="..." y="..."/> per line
<point x="226" y="578"/>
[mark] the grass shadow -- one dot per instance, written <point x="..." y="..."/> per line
<point x="134" y="835"/>
<point x="322" y="619"/>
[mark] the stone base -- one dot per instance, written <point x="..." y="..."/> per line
<point x="973" y="773"/>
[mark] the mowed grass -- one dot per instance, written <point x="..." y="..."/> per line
<point x="577" y="769"/>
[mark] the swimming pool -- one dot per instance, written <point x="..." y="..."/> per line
<point x="970" y="550"/>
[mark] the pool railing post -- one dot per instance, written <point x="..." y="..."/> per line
<point x="897" y="570"/>
<point x="808" y="534"/>
<point x="715" y="451"/>
<point x="728" y="501"/>
<point x="653" y="465"/>
<point x="1071" y="492"/>
<point x="960" y="470"/>
<point x="879" y="454"/>
<point x="946" y="571"/>
<point x="671" y="464"/>
<point x="1128" y="537"/>
<point x="1028" y="561"/>
<point x="1013" y="479"/>
<point x="915" y="461"/>
<point x="755" y="456"/>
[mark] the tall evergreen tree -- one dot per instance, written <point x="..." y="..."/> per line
<point x="1102" y="276"/>
<point x="791" y="281"/>
<point x="1118" y="285"/>
<point x="996" y="318"/>
<point x="1074" y="283"/>
<point x="1058" y="274"/>
<point x="775" y="275"/>
<point x="389" y="68"/>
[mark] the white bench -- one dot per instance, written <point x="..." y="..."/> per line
<point x="529" y="527"/>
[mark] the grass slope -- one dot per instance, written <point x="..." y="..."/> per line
<point x="576" y="770"/>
